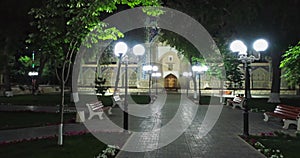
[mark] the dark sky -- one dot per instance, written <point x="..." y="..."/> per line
<point x="14" y="15"/>
<point x="15" y="19"/>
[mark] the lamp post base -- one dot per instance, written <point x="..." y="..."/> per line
<point x="246" y="125"/>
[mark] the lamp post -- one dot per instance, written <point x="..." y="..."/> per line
<point x="156" y="75"/>
<point x="187" y="75"/>
<point x="149" y="69"/>
<point x="32" y="74"/>
<point x="199" y="69"/>
<point x="247" y="58"/>
<point x="120" y="50"/>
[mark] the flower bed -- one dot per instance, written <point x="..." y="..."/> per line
<point x="275" y="145"/>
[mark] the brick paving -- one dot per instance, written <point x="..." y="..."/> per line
<point x="221" y="141"/>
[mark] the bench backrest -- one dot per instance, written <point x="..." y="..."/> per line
<point x="95" y="105"/>
<point x="287" y="111"/>
<point x="290" y="107"/>
<point x="239" y="99"/>
<point x="117" y="98"/>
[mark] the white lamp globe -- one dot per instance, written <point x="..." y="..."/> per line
<point x="120" y="49"/>
<point x="238" y="46"/>
<point x="204" y="68"/>
<point x="260" y="45"/>
<point x="187" y="74"/>
<point x="154" y="68"/>
<point x="196" y="68"/>
<point x="138" y="49"/>
<point x="147" y="68"/>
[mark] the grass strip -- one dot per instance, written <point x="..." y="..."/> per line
<point x="74" y="147"/>
<point x="13" y="120"/>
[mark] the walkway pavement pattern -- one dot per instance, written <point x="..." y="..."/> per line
<point x="221" y="141"/>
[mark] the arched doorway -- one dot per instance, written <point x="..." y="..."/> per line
<point x="171" y="82"/>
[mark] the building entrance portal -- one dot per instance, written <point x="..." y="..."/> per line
<point x="171" y="82"/>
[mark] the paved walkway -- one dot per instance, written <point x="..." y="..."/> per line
<point x="221" y="141"/>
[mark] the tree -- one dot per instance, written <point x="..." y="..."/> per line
<point x="291" y="66"/>
<point x="100" y="89"/>
<point x="63" y="27"/>
<point x="233" y="71"/>
<point x="13" y="31"/>
<point x="278" y="22"/>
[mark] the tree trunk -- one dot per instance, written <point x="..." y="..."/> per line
<point x="276" y="78"/>
<point x="298" y="89"/>
<point x="75" y="76"/>
<point x="61" y="110"/>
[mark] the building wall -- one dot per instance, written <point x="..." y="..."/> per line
<point x="170" y="62"/>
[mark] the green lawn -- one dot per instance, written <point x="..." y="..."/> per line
<point x="51" y="99"/>
<point x="11" y="120"/>
<point x="54" y="99"/>
<point x="83" y="146"/>
<point x="29" y="119"/>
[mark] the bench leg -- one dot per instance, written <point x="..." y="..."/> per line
<point x="288" y="122"/>
<point x="90" y="117"/>
<point x="233" y="106"/>
<point x="285" y="124"/>
<point x="97" y="114"/>
<point x="266" y="119"/>
<point x="241" y="106"/>
<point x="228" y="102"/>
<point x="100" y="115"/>
<point x="109" y="111"/>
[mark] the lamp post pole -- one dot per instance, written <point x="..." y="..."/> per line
<point x="126" y="95"/>
<point x="199" y="75"/>
<point x="246" y="108"/>
<point x="241" y="48"/>
<point x="120" y="50"/>
<point x="149" y="69"/>
<point x="118" y="74"/>
<point x="156" y="75"/>
<point x="199" y="69"/>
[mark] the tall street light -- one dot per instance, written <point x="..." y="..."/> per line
<point x="149" y="69"/>
<point x="247" y="57"/>
<point x="120" y="50"/>
<point x="199" y="69"/>
<point x="156" y="75"/>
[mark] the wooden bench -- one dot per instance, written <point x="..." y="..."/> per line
<point x="288" y="114"/>
<point x="236" y="103"/>
<point x="117" y="100"/>
<point x="97" y="109"/>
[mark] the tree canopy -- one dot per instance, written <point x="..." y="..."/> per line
<point x="64" y="25"/>
<point x="291" y="65"/>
